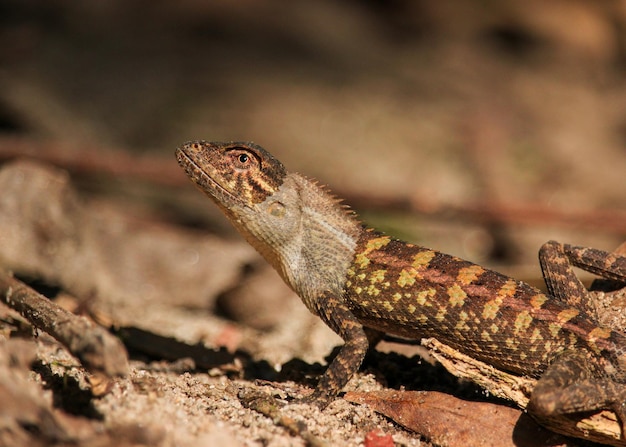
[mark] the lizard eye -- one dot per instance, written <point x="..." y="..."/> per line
<point x="242" y="160"/>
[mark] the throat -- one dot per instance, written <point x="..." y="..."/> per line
<point x="322" y="263"/>
<point x="316" y="260"/>
<point x="305" y="234"/>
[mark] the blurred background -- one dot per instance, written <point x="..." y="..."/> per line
<point x="481" y="129"/>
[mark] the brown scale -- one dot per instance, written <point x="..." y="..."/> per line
<point x="482" y="313"/>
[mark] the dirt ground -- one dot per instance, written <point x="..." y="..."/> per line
<point x="479" y="130"/>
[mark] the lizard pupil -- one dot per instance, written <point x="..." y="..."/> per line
<point x="243" y="158"/>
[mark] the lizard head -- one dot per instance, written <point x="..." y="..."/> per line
<point x="248" y="184"/>
<point x="232" y="174"/>
<point x="300" y="228"/>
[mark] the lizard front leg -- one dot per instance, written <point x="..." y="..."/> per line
<point x="358" y="340"/>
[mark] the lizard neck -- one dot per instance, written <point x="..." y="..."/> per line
<point x="306" y="234"/>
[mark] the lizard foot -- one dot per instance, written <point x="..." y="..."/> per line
<point x="319" y="399"/>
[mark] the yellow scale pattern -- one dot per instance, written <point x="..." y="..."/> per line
<point x="459" y="303"/>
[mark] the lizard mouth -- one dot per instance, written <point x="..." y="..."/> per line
<point x="204" y="181"/>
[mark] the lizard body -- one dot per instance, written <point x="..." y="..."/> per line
<point x="363" y="284"/>
<point x="489" y="316"/>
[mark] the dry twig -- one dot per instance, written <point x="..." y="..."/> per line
<point x="268" y="406"/>
<point x="99" y="351"/>
<point x="161" y="171"/>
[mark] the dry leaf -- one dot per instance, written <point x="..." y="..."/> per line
<point x="448" y="421"/>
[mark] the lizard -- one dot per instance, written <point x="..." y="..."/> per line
<point x="364" y="284"/>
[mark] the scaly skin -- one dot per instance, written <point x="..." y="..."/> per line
<point x="363" y="284"/>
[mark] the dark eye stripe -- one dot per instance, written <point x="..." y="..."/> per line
<point x="259" y="174"/>
<point x="259" y="190"/>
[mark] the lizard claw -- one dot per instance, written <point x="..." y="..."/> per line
<point x="319" y="399"/>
